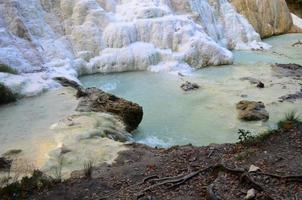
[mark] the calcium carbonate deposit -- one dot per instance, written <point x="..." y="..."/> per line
<point x="42" y="39"/>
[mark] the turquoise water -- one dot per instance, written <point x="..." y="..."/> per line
<point x="208" y="115"/>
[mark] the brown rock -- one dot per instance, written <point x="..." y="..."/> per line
<point x="252" y="111"/>
<point x="96" y="100"/>
<point x="268" y="17"/>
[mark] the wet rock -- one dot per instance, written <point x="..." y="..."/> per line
<point x="253" y="81"/>
<point x="298" y="43"/>
<point x="252" y="111"/>
<point x="70" y="83"/>
<point x="291" y="97"/>
<point x="288" y="70"/>
<point x="5" y="164"/>
<point x="6" y="95"/>
<point x="188" y="86"/>
<point x="260" y="85"/>
<point x="96" y="100"/>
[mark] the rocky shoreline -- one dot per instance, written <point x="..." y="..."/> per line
<point x="264" y="167"/>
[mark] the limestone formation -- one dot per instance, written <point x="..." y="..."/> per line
<point x="268" y="17"/>
<point x="252" y="111"/>
<point x="43" y="39"/>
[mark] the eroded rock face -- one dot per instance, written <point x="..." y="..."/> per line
<point x="268" y="17"/>
<point x="252" y="111"/>
<point x="96" y="100"/>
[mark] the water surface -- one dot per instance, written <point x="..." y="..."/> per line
<point x="172" y="116"/>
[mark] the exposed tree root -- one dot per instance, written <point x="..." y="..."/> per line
<point x="245" y="176"/>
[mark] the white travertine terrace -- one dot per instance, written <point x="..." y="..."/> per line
<point x="46" y="38"/>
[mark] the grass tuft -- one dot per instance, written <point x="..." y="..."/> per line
<point x="289" y="120"/>
<point x="88" y="168"/>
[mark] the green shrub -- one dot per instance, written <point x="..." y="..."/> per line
<point x="6" y="96"/>
<point x="247" y="138"/>
<point x="7" y="69"/>
<point x="20" y="189"/>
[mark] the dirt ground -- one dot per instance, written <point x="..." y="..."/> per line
<point x="190" y="173"/>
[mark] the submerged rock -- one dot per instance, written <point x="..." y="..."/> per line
<point x="291" y="97"/>
<point x="188" y="86"/>
<point x="252" y="111"/>
<point x="290" y="70"/>
<point x="96" y="100"/>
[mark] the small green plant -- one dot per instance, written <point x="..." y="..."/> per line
<point x="244" y="136"/>
<point x="58" y="169"/>
<point x="88" y="168"/>
<point x="7" y="69"/>
<point x="37" y="181"/>
<point x="290" y="119"/>
<point x="6" y="96"/>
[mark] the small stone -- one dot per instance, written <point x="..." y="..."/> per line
<point x="188" y="86"/>
<point x="260" y="85"/>
<point x="253" y="168"/>
<point x="251" y="194"/>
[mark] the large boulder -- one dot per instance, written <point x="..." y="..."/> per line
<point x="268" y="17"/>
<point x="252" y="111"/>
<point x="96" y="100"/>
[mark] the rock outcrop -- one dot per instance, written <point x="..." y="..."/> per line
<point x="252" y="111"/>
<point x="268" y="17"/>
<point x="96" y="100"/>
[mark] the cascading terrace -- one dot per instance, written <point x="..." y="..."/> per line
<point x="46" y="39"/>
